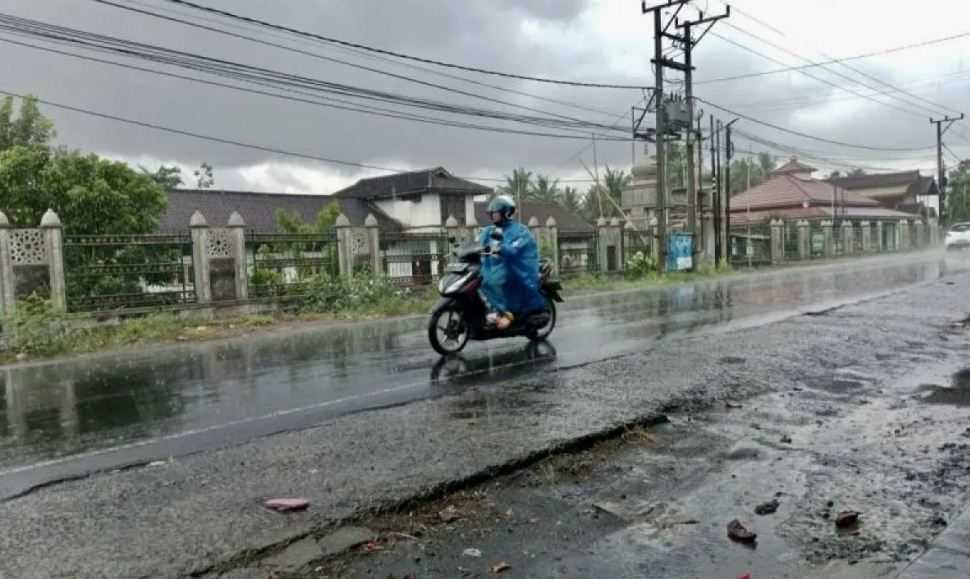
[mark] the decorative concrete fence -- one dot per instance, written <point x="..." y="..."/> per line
<point x="207" y="265"/>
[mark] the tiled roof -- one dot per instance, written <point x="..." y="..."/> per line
<point x="258" y="210"/>
<point x="567" y="221"/>
<point x="917" y="184"/>
<point x="785" y="190"/>
<point x="794" y="166"/>
<point x="437" y="180"/>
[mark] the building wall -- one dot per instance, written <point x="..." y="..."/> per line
<point x="880" y="192"/>
<point x="424" y="212"/>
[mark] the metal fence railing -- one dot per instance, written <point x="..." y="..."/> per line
<point x="577" y="255"/>
<point x="282" y="264"/>
<point x="414" y="259"/>
<point x="117" y="272"/>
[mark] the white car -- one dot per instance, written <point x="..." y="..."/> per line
<point x="958" y="237"/>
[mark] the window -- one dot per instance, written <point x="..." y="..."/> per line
<point x="453" y="205"/>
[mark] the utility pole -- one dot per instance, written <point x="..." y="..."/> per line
<point x="940" y="169"/>
<point x="700" y="175"/>
<point x="718" y="189"/>
<point x="596" y="167"/>
<point x="689" y="43"/>
<point x="729" y="151"/>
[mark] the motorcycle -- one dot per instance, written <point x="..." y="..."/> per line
<point x="461" y="314"/>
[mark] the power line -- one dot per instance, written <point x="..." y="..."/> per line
<point x="816" y="78"/>
<point x="359" y="46"/>
<point x="808" y="136"/>
<point x="255" y="75"/>
<point x="235" y="143"/>
<point x="850" y="67"/>
<point x="323" y="57"/>
<point x="377" y="57"/>
<point x="823" y="63"/>
<point x="836" y="73"/>
<point x="376" y="111"/>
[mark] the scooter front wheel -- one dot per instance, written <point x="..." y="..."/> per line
<point x="448" y="331"/>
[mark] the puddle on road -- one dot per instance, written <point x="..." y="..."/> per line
<point x="957" y="394"/>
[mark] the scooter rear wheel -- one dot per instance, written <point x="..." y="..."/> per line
<point x="540" y="334"/>
<point x="448" y="331"/>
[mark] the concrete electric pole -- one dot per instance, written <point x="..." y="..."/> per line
<point x="940" y="169"/>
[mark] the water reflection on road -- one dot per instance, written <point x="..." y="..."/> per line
<point x="205" y="395"/>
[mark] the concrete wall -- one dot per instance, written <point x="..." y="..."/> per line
<point x="425" y="212"/>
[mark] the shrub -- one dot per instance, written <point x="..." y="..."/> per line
<point x="640" y="265"/>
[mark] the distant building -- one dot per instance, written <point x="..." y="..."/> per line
<point x="906" y="191"/>
<point x="790" y="193"/>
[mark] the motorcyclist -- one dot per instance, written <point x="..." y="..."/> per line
<point x="511" y="271"/>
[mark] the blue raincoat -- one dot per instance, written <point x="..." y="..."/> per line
<point x="511" y="279"/>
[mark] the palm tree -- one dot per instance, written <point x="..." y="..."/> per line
<point x="570" y="199"/>
<point x="614" y="182"/>
<point x="517" y="185"/>
<point x="545" y="189"/>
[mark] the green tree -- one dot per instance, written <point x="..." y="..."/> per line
<point x="745" y="172"/>
<point x="291" y="222"/>
<point x="91" y="195"/>
<point x="545" y="189"/>
<point x="571" y="199"/>
<point x="29" y="129"/>
<point x="766" y="162"/>
<point x="958" y="193"/>
<point x="835" y="174"/>
<point x="857" y="172"/>
<point x="203" y="176"/>
<point x="165" y="176"/>
<point x="518" y="185"/>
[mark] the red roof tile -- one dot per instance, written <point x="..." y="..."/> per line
<point x="786" y="191"/>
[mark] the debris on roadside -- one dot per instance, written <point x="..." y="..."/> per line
<point x="449" y="515"/>
<point x="786" y="439"/>
<point x="847" y="519"/>
<point x="500" y="567"/>
<point x="738" y="532"/>
<point x="767" y="508"/>
<point x="286" y="505"/>
<point x="732" y="405"/>
<point x="471" y="553"/>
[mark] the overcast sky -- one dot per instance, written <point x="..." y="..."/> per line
<point x="595" y="41"/>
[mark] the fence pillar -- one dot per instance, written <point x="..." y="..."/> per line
<point x="902" y="235"/>
<point x="848" y="238"/>
<point x="865" y="229"/>
<point x="804" y="240"/>
<point x="601" y="241"/>
<point x="777" y="241"/>
<point x="535" y="229"/>
<point x="707" y="228"/>
<point x="50" y="224"/>
<point x="374" y="244"/>
<point x="552" y="237"/>
<point x="7" y="287"/>
<point x="345" y="250"/>
<point x="829" y="240"/>
<point x="200" y="258"/>
<point x="919" y="235"/>
<point x="237" y="235"/>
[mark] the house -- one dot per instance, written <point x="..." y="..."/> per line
<point x="416" y="201"/>
<point x="906" y="191"/>
<point x="419" y="200"/>
<point x="790" y="193"/>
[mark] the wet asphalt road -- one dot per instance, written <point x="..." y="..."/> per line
<point x="66" y="419"/>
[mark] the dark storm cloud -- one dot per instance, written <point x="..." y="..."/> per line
<point x="487" y="34"/>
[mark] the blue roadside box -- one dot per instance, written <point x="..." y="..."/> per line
<point x="680" y="252"/>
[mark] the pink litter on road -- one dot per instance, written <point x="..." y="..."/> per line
<point x="286" y="505"/>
